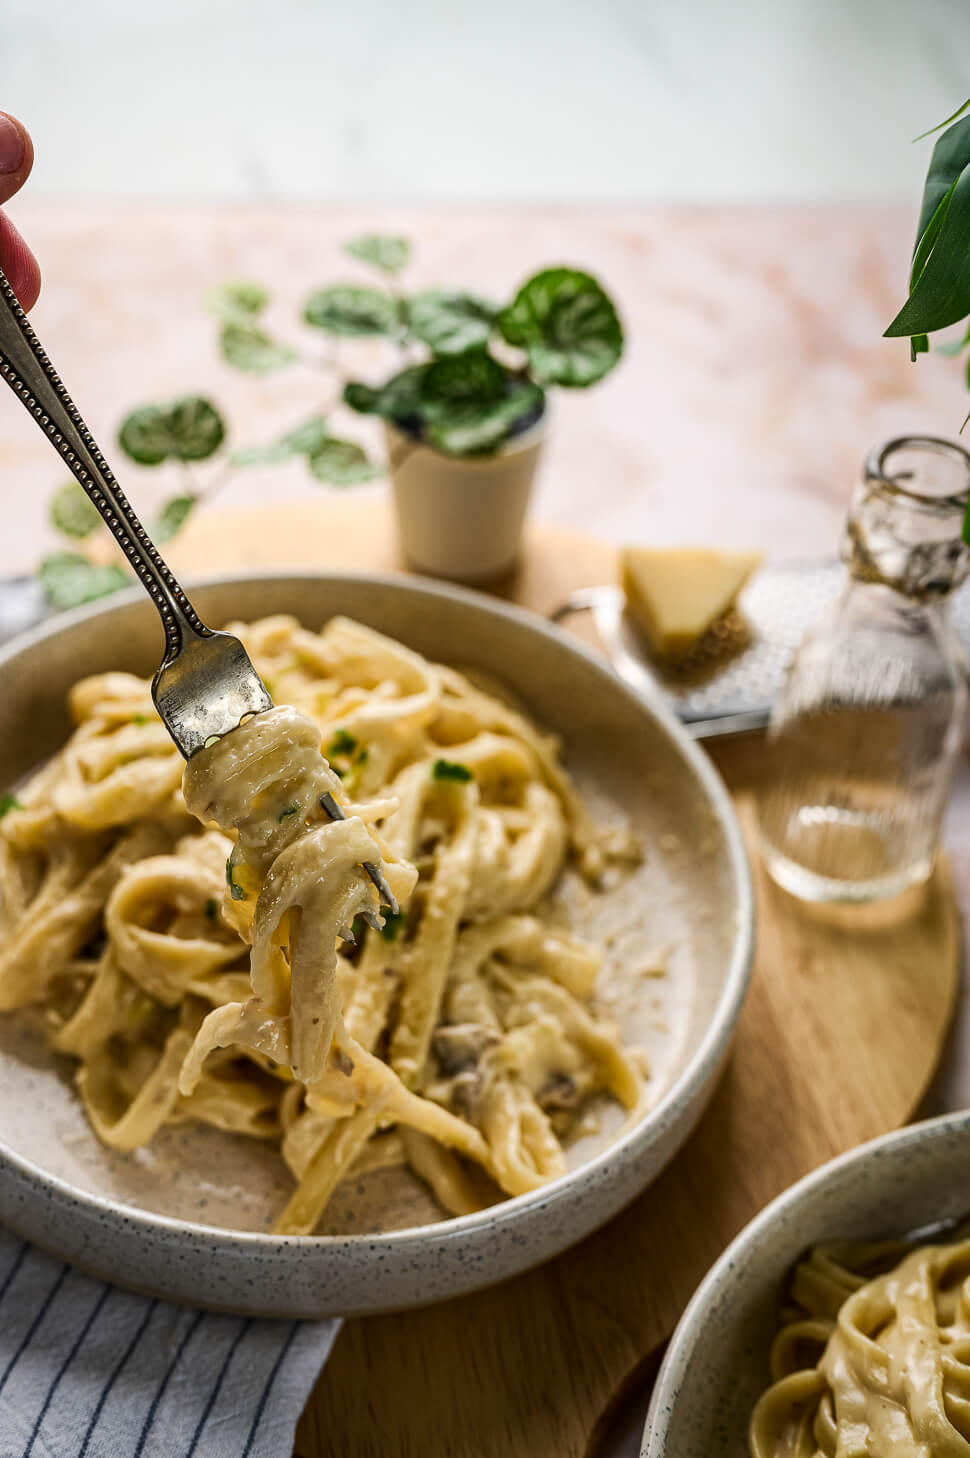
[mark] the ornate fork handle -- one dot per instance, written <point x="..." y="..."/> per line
<point x="29" y="373"/>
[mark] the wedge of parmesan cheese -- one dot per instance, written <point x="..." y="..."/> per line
<point x="676" y="595"/>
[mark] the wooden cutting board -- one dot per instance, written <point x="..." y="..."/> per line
<point x="841" y="1031"/>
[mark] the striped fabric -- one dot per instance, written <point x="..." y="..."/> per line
<point x="91" y="1371"/>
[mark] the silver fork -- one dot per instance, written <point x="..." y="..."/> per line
<point x="206" y="683"/>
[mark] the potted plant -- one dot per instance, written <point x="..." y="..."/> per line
<point x="462" y="400"/>
<point x="465" y="424"/>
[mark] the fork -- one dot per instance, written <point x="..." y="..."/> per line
<point x="206" y="683"/>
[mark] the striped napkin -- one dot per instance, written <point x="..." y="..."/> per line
<point x="90" y="1371"/>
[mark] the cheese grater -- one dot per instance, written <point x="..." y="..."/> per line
<point x="729" y="682"/>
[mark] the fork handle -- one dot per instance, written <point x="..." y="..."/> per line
<point x="29" y="373"/>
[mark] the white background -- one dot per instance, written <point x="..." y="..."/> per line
<point x="510" y="100"/>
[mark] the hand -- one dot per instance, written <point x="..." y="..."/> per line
<point x="16" y="259"/>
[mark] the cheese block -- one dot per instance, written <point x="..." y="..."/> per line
<point x="677" y="595"/>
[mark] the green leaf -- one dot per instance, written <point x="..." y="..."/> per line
<point x="235" y="890"/>
<point x="398" y="400"/>
<point x="458" y="381"/>
<point x="8" y="803"/>
<point x="383" y="250"/>
<point x="68" y="580"/>
<point x="470" y="403"/>
<point x="247" y="347"/>
<point x="236" y="301"/>
<point x="305" y="440"/>
<point x="190" y="429"/>
<point x="449" y="322"/>
<point x="940" y="125"/>
<point x="940" y="277"/>
<point x="174" y="514"/>
<point x="446" y="769"/>
<point x="73" y="512"/>
<point x="567" y="326"/>
<point x="393" y="922"/>
<point x="350" y="310"/>
<point x="341" y="743"/>
<point x="342" y="463"/>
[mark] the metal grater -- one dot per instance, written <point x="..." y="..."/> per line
<point x="729" y="683"/>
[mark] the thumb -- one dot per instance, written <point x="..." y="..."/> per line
<point x="16" y="156"/>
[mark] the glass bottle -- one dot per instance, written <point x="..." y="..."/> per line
<point x="864" y="735"/>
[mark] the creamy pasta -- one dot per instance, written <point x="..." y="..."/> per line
<point x="873" y="1356"/>
<point x="237" y="971"/>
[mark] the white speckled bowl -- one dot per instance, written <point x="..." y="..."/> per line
<point x="717" y="1364"/>
<point x="187" y="1217"/>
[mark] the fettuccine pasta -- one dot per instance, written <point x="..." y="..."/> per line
<point x="217" y="955"/>
<point x="873" y="1356"/>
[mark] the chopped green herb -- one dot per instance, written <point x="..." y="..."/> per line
<point x="236" y="891"/>
<point x="446" y="769"/>
<point x="358" y="926"/>
<point x="341" y="743"/>
<point x="139" y="719"/>
<point x="285" y="814"/>
<point x="212" y="908"/>
<point x="393" y="922"/>
<point x="8" y="803"/>
<point x="363" y="757"/>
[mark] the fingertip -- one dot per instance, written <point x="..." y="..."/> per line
<point x="16" y="155"/>
<point x="19" y="264"/>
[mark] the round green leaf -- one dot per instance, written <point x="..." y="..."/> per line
<point x="173" y="517"/>
<point x="382" y="250"/>
<point x="349" y="310"/>
<point x="196" y="427"/>
<point x="190" y="429"/>
<point x="68" y="580"/>
<point x="145" y="436"/>
<point x="398" y="400"/>
<point x="73" y="512"/>
<point x="449" y="322"/>
<point x="342" y="463"/>
<point x="235" y="300"/>
<point x="567" y="326"/>
<point x="458" y="382"/>
<point x="477" y="430"/>
<point x="249" y="348"/>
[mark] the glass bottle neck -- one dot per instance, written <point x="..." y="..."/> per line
<point x="906" y="516"/>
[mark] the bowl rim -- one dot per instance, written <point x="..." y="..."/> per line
<point x="836" y="1172"/>
<point x="701" y="1068"/>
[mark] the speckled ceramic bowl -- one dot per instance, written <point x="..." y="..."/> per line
<point x="187" y="1216"/>
<point x="717" y="1364"/>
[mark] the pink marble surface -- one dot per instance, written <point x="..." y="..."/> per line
<point x="754" y="380"/>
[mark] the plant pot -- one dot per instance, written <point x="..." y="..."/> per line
<point x="461" y="518"/>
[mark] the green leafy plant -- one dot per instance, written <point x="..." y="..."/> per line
<point x="939" y="280"/>
<point x="467" y="375"/>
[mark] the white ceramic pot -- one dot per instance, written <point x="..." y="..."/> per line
<point x="461" y="518"/>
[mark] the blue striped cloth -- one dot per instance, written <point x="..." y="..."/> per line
<point x="90" y="1371"/>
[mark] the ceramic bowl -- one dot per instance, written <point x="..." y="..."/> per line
<point x="187" y="1216"/>
<point x="717" y="1364"/>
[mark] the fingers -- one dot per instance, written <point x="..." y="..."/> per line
<point x="19" y="264"/>
<point x="16" y="156"/>
<point x="16" y="259"/>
